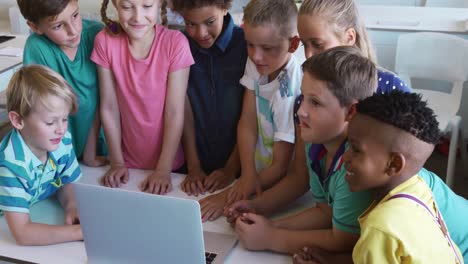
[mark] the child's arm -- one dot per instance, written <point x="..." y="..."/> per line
<point x="110" y="116"/>
<point x="66" y="197"/>
<point x="159" y="182"/>
<point x="193" y="182"/>
<point x="90" y="157"/>
<point x="247" y="139"/>
<point x="318" y="217"/>
<point x="310" y="255"/>
<point x="221" y="178"/>
<point x="282" y="152"/>
<point x="258" y="233"/>
<point x="27" y="233"/>
<point x="287" y="190"/>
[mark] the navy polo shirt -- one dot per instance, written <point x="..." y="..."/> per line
<point x="216" y="95"/>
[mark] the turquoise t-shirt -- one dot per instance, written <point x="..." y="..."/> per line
<point x="79" y="73"/>
<point x="331" y="188"/>
<point x="454" y="210"/>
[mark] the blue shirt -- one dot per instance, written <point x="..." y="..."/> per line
<point x="216" y="95"/>
<point x="25" y="180"/>
<point x="388" y="81"/>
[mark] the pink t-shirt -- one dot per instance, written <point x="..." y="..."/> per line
<point x="141" y="90"/>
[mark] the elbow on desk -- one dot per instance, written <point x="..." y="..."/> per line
<point x="21" y="238"/>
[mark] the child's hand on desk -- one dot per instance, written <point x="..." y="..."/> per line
<point x="115" y="176"/>
<point x="314" y="255"/>
<point x="212" y="206"/>
<point x="254" y="231"/>
<point x="193" y="182"/>
<point x="237" y="209"/>
<point x="219" y="179"/>
<point x="71" y="216"/>
<point x="158" y="182"/>
<point x="245" y="186"/>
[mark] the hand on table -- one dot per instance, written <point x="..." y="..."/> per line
<point x="157" y="182"/>
<point x="193" y="182"/>
<point x="115" y="176"/>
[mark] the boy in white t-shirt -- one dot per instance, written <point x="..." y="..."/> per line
<point x="272" y="78"/>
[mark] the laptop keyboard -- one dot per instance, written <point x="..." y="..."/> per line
<point x="209" y="257"/>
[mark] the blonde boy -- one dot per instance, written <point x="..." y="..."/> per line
<point x="272" y="78"/>
<point x="37" y="158"/>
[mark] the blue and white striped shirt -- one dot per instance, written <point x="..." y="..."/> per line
<point x="25" y="180"/>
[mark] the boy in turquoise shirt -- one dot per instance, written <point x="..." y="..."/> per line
<point x="64" y="42"/>
<point x="37" y="158"/>
<point x="333" y="81"/>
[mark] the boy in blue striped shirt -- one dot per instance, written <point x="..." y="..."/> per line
<point x="37" y="158"/>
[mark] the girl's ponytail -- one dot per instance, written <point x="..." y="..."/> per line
<point x="164" y="12"/>
<point x="111" y="26"/>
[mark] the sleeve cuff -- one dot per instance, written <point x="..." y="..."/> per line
<point x="280" y="136"/>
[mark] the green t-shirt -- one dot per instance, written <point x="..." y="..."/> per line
<point x="332" y="188"/>
<point x="79" y="73"/>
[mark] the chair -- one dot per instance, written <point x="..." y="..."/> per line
<point x="443" y="57"/>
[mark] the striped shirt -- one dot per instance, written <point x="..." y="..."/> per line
<point x="25" y="180"/>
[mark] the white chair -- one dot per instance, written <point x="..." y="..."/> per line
<point x="443" y="57"/>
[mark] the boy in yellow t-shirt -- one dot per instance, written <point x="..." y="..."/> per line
<point x="390" y="138"/>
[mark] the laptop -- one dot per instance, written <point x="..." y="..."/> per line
<point x="121" y="226"/>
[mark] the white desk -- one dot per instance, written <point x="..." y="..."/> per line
<point x="50" y="212"/>
<point x="7" y="63"/>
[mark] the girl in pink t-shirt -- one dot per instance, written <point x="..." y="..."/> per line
<point x="143" y="71"/>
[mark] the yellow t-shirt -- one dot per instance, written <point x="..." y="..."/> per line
<point x="401" y="231"/>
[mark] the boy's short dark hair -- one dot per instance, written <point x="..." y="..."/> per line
<point x="185" y="5"/>
<point x="36" y="10"/>
<point x="348" y="75"/>
<point x="281" y="14"/>
<point x="406" y="111"/>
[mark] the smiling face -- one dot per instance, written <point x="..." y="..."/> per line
<point x="204" y="24"/>
<point x="317" y="35"/>
<point x="367" y="158"/>
<point x="267" y="48"/>
<point x="44" y="128"/>
<point x="322" y="118"/>
<point x="137" y="17"/>
<point x="64" y="29"/>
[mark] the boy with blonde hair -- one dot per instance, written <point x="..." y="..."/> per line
<point x="37" y="158"/>
<point x="265" y="132"/>
<point x="63" y="42"/>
